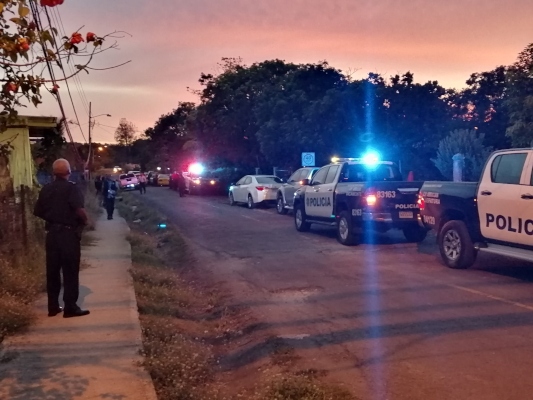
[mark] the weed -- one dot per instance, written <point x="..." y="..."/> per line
<point x="304" y="388"/>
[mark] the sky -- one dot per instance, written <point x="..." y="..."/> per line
<point x="171" y="42"/>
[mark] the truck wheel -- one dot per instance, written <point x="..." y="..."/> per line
<point x="300" y="220"/>
<point x="455" y="245"/>
<point x="345" y="233"/>
<point x="231" y="200"/>
<point x="280" y="206"/>
<point x="415" y="234"/>
<point x="250" y="203"/>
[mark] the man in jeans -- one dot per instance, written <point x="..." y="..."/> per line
<point x="60" y="204"/>
<point x="142" y="182"/>
<point x="110" y="193"/>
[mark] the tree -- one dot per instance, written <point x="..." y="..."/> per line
<point x="482" y="106"/>
<point x="468" y="143"/>
<point x="125" y="133"/>
<point x="29" y="45"/>
<point x="519" y="99"/>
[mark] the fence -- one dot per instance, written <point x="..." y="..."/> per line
<point x="18" y="227"/>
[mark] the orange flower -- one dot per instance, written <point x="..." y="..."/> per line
<point x="11" y="87"/>
<point x="51" y="3"/>
<point x="76" y="38"/>
<point x="91" y="37"/>
<point x="23" y="44"/>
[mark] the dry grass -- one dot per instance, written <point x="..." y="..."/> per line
<point x="181" y="366"/>
<point x="303" y="388"/>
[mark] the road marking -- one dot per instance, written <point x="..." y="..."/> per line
<point x="490" y="296"/>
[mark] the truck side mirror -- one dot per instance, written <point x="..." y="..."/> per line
<point x="304" y="182"/>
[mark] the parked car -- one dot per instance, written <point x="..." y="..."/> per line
<point x="128" y="181"/>
<point x="285" y="197"/>
<point x="255" y="189"/>
<point x="163" y="180"/>
<point x="493" y="216"/>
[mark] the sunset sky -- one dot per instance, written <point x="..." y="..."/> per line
<point x="173" y="41"/>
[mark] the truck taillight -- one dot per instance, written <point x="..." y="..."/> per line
<point x="371" y="200"/>
<point x="421" y="202"/>
<point x="260" y="188"/>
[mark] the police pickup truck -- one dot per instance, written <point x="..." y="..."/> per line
<point x="493" y="216"/>
<point x="355" y="194"/>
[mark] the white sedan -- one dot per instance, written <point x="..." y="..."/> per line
<point x="255" y="189"/>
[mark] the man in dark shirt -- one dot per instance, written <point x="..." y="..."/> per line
<point x="109" y="192"/>
<point x="60" y="204"/>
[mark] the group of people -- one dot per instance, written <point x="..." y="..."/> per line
<point x="107" y="188"/>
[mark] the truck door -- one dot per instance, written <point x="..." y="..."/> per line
<point x="526" y="198"/>
<point x="501" y="209"/>
<point x="317" y="200"/>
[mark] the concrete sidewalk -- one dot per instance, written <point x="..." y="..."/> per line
<point x="91" y="357"/>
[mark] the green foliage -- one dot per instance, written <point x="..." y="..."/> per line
<point x="520" y="99"/>
<point x="468" y="143"/>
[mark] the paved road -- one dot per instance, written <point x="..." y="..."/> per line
<point x="385" y="318"/>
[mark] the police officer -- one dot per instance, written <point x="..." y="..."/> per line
<point x="60" y="204"/>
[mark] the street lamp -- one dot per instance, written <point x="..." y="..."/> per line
<point x="91" y="152"/>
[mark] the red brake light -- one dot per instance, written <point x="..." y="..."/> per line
<point x="371" y="199"/>
<point x="421" y="202"/>
<point x="260" y="188"/>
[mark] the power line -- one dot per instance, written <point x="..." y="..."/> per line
<point x="39" y="24"/>
<point x="77" y="79"/>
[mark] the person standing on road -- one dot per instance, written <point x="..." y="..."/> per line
<point x="142" y="182"/>
<point x="61" y="206"/>
<point x="110" y="193"/>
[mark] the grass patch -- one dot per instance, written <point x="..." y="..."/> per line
<point x="304" y="388"/>
<point x="181" y="366"/>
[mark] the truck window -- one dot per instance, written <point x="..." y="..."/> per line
<point x="508" y="168"/>
<point x="296" y="176"/>
<point x="332" y="173"/>
<point x="320" y="177"/>
<point x="360" y="173"/>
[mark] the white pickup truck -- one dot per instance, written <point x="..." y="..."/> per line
<point x="493" y="216"/>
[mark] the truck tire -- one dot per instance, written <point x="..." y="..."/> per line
<point x="455" y="245"/>
<point x="280" y="205"/>
<point x="415" y="233"/>
<point x="300" y="219"/>
<point x="231" y="199"/>
<point x="345" y="232"/>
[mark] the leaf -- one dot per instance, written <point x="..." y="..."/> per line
<point x="23" y="11"/>
<point x="25" y="55"/>
<point x="51" y="53"/>
<point x="14" y="57"/>
<point x="17" y="21"/>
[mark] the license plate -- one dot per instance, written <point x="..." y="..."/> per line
<point x="406" y="214"/>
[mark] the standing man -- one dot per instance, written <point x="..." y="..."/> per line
<point x="142" y="182"/>
<point x="60" y="204"/>
<point x="110" y="193"/>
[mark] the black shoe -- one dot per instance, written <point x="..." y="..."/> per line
<point x="75" y="313"/>
<point x="52" y="312"/>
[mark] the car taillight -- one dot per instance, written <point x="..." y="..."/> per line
<point x="260" y="188"/>
<point x="421" y="202"/>
<point x="371" y="200"/>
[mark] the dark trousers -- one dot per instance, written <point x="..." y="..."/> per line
<point x="142" y="187"/>
<point x="63" y="253"/>
<point x="110" y="207"/>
